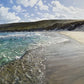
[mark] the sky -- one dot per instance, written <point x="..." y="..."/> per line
<point x="12" y="11"/>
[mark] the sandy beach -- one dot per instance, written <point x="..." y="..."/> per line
<point x="65" y="60"/>
<point x="79" y="36"/>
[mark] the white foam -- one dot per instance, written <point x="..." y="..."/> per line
<point x="24" y="34"/>
<point x="50" y="41"/>
<point x="11" y="35"/>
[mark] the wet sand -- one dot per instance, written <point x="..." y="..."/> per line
<point x="65" y="61"/>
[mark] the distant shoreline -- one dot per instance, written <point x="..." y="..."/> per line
<point x="44" y="25"/>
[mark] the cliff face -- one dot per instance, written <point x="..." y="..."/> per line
<point x="43" y="25"/>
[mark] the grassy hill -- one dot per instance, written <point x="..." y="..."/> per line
<point x="42" y="25"/>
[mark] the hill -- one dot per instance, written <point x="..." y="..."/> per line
<point x="43" y="25"/>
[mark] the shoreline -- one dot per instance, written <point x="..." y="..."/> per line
<point x="60" y="62"/>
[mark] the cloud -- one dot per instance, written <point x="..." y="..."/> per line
<point x="1" y="5"/>
<point x="11" y="1"/>
<point x="7" y="17"/>
<point x="51" y="16"/>
<point x="42" y="6"/>
<point x="27" y="3"/>
<point x="17" y="8"/>
<point x="68" y="12"/>
<point x="58" y="7"/>
<point x="56" y="10"/>
<point x="46" y="15"/>
<point x="26" y="15"/>
<point x="40" y="9"/>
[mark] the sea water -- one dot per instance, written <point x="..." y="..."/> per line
<point x="14" y="44"/>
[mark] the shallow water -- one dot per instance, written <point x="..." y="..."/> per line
<point x="14" y="44"/>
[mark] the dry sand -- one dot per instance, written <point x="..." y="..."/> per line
<point x="78" y="36"/>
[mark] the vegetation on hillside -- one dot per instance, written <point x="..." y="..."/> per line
<point x="42" y="25"/>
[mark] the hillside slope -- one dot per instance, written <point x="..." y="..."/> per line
<point x="43" y="25"/>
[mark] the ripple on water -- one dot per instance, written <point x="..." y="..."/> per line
<point x="14" y="45"/>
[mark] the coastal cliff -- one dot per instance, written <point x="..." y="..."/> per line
<point x="43" y="25"/>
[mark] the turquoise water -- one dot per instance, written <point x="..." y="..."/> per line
<point x="14" y="45"/>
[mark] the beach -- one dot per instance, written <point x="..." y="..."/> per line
<point x="65" y="60"/>
<point x="78" y="35"/>
<point x="59" y="60"/>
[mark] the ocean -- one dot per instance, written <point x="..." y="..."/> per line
<point x="14" y="44"/>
